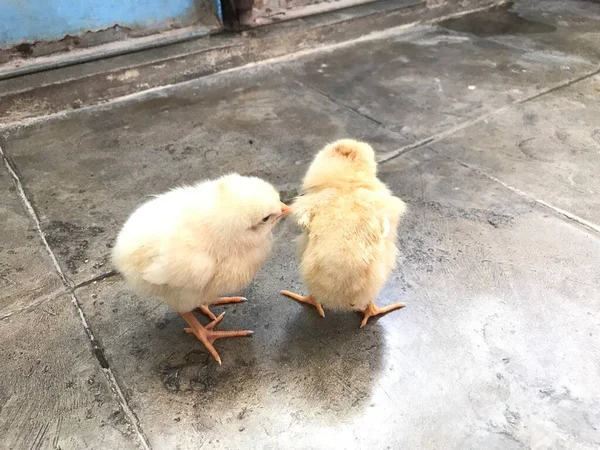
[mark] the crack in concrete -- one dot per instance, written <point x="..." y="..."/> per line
<point x="444" y="134"/>
<point x="555" y="209"/>
<point x="439" y="136"/>
<point x="34" y="305"/>
<point x="101" y="277"/>
<point x="334" y="101"/>
<point x="566" y="84"/>
<point x="97" y="349"/>
<point x="461" y="126"/>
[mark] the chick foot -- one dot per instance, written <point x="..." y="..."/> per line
<point x="309" y="299"/>
<point x="206" y="334"/>
<point x="220" y="301"/>
<point x="373" y="310"/>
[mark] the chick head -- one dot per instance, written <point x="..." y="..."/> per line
<point x="343" y="161"/>
<point x="250" y="208"/>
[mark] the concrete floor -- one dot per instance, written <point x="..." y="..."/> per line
<point x="487" y="125"/>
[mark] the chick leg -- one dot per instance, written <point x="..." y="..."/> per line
<point x="206" y="334"/>
<point x="373" y="310"/>
<point x="309" y="299"/>
<point x="220" y="301"/>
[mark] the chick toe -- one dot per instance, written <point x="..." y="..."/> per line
<point x="309" y="299"/>
<point x="207" y="335"/>
<point x="215" y="322"/>
<point x="207" y="312"/>
<point x="221" y="301"/>
<point x="228" y="300"/>
<point x="373" y="310"/>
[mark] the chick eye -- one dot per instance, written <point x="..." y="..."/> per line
<point x="266" y="219"/>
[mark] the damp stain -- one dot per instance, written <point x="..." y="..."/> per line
<point x="496" y="22"/>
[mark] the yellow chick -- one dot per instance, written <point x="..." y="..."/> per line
<point x="349" y="220"/>
<point x="195" y="243"/>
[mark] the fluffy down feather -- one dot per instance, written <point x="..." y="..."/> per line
<point x="194" y="243"/>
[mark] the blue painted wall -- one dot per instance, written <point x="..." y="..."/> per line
<point x="48" y="20"/>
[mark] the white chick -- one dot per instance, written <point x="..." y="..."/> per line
<point x="349" y="220"/>
<point x="195" y="243"/>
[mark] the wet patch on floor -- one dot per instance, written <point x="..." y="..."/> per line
<point x="496" y="22"/>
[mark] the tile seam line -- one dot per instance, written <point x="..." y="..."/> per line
<point x="351" y="109"/>
<point x="64" y="291"/>
<point x="590" y="226"/>
<point x="335" y="101"/>
<point x="160" y="90"/>
<point x="108" y="373"/>
<point x="35" y="305"/>
<point x="468" y="123"/>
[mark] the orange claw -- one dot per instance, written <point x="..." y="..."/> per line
<point x="220" y="301"/>
<point x="206" y="334"/>
<point x="309" y="300"/>
<point x="372" y="310"/>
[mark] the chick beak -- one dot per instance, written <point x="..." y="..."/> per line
<point x="285" y="210"/>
